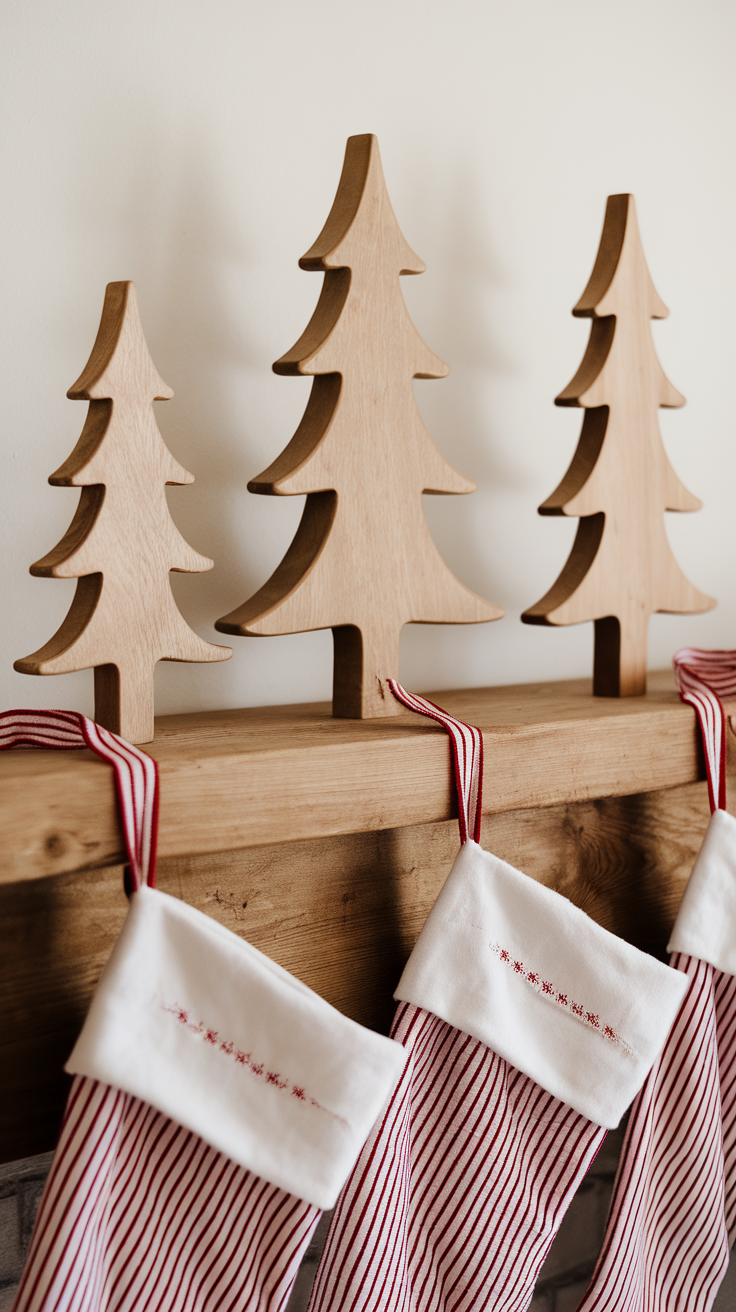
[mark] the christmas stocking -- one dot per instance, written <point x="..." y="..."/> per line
<point x="673" y="1214"/>
<point x="529" y="1029"/>
<point x="218" y="1104"/>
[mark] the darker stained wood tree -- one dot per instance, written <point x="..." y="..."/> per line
<point x="362" y="562"/>
<point x="621" y="568"/>
<point x="122" y="542"/>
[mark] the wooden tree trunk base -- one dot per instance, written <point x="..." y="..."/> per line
<point x="620" y="656"/>
<point x="124" y="705"/>
<point x="364" y="662"/>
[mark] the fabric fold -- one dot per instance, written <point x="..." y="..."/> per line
<point x="195" y="1021"/>
<point x="672" y="1220"/>
<point x="706" y="922"/>
<point x="519" y="967"/>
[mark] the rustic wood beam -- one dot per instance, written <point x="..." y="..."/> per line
<point x="341" y="913"/>
<point x="242" y="778"/>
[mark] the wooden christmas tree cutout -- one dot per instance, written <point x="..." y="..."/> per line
<point x="122" y="541"/>
<point x="362" y="562"/>
<point x="620" y="482"/>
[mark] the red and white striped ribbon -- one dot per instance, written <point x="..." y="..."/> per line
<point x="136" y="775"/>
<point x="703" y="678"/>
<point x="466" y="744"/>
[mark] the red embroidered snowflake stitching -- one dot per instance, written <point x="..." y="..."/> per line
<point x="548" y="990"/>
<point x="274" y="1078"/>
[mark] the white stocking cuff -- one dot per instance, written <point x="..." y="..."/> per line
<point x="209" y="1031"/>
<point x="519" y="967"/>
<point x="706" y="922"/>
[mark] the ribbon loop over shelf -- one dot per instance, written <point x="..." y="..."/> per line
<point x="703" y="678"/>
<point x="466" y="744"/>
<point x="136" y="775"/>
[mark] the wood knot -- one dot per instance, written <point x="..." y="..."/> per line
<point x="54" y="845"/>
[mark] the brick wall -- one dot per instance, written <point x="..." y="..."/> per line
<point x="562" y="1283"/>
<point x="21" y="1184"/>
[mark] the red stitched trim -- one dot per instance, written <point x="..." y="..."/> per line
<point x="274" y="1078"/>
<point x="548" y="990"/>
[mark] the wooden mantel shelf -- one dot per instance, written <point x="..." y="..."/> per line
<point x="237" y="779"/>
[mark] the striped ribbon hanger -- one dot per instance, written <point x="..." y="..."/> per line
<point x="703" y="678"/>
<point x="466" y="744"/>
<point x="136" y="775"/>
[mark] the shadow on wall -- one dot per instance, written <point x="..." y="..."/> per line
<point x="218" y="355"/>
<point x="449" y="305"/>
<point x="204" y="339"/>
<point x="167" y="223"/>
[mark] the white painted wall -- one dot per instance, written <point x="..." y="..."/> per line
<point x="195" y="147"/>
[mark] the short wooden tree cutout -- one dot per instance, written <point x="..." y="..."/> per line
<point x="122" y="541"/>
<point x="620" y="481"/>
<point x="362" y="561"/>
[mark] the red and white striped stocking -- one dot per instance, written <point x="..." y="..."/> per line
<point x="138" y="1212"/>
<point x="529" y="1029"/>
<point x="218" y="1104"/>
<point x="673" y="1213"/>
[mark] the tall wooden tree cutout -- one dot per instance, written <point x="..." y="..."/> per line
<point x="620" y="482"/>
<point x="362" y="562"/>
<point x="122" y="541"/>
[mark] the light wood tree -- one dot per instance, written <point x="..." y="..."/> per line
<point x="362" y="562"/>
<point x="620" y="482"/>
<point x="122" y="541"/>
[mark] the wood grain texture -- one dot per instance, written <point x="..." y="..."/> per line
<point x="620" y="482"/>
<point x="362" y="562"/>
<point x="232" y="779"/>
<point x="122" y="542"/>
<point x="341" y="913"/>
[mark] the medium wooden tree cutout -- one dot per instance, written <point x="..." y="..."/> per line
<point x="122" y="541"/>
<point x="620" y="482"/>
<point x="362" y="562"/>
